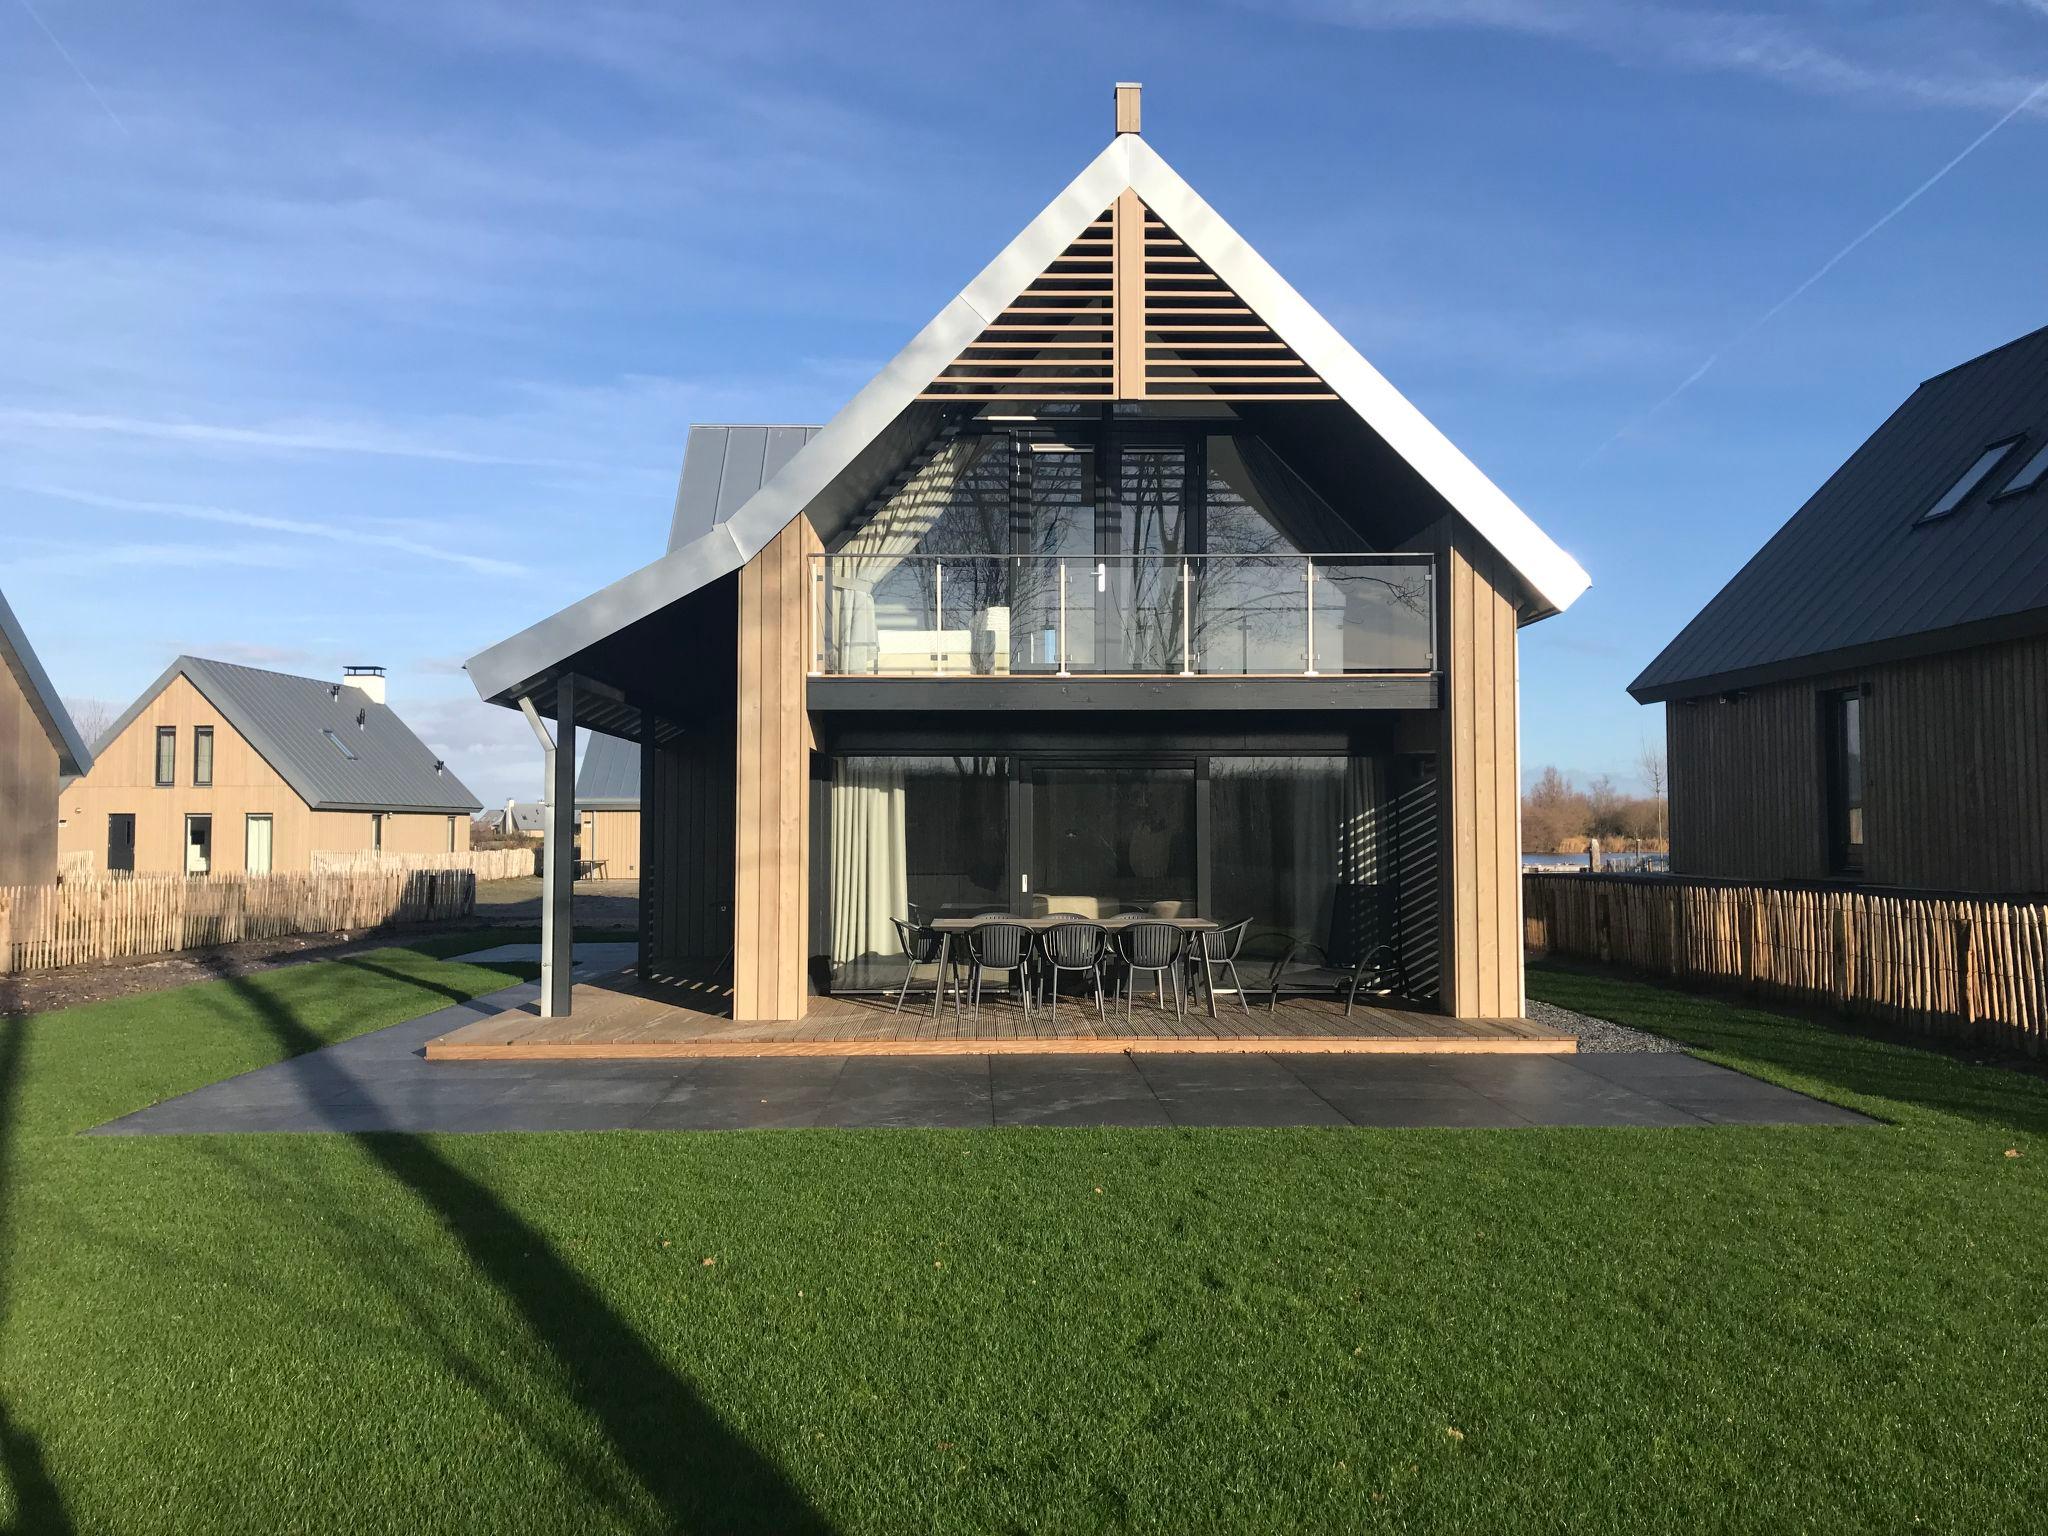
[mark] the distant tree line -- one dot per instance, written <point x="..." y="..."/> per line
<point x="1559" y="816"/>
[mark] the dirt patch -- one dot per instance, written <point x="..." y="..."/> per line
<point x="609" y="904"/>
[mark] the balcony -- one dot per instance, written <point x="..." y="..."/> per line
<point x="930" y="616"/>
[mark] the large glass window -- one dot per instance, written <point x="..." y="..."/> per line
<point x="910" y="837"/>
<point x="1110" y="838"/>
<point x="1288" y="833"/>
<point x="1843" y="716"/>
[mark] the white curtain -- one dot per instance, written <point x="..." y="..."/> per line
<point x="1363" y="839"/>
<point x="870" y="884"/>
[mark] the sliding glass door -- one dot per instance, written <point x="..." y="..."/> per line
<point x="1302" y="846"/>
<point x="1111" y="837"/>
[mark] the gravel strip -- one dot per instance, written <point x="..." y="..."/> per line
<point x="1598" y="1034"/>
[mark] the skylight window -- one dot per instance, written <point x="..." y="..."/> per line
<point x="2030" y="473"/>
<point x="1973" y="477"/>
<point x="340" y="746"/>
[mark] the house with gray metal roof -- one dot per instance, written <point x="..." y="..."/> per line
<point x="39" y="747"/>
<point x="224" y="769"/>
<point x="1867" y="699"/>
<point x="1128" y="587"/>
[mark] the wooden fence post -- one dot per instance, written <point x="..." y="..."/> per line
<point x="1966" y="956"/>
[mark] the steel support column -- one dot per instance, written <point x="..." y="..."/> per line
<point x="558" y="851"/>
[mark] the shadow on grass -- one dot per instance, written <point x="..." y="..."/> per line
<point x="38" y="1504"/>
<point x="1893" y="1080"/>
<point x="699" y="1473"/>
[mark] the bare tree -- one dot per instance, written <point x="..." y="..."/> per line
<point x="93" y="717"/>
<point x="1656" y="779"/>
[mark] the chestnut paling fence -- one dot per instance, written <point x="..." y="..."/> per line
<point x="1965" y="968"/>
<point x="484" y="863"/>
<point x="80" y="921"/>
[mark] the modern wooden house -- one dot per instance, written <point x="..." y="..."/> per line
<point x="1867" y="700"/>
<point x="39" y="747"/>
<point x="1128" y="585"/>
<point x="223" y="769"/>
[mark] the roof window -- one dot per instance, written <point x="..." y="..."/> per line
<point x="1973" y="477"/>
<point x="2030" y="474"/>
<point x="340" y="746"/>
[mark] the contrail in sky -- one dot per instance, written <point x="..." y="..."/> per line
<point x="1822" y="271"/>
<point x="65" y="54"/>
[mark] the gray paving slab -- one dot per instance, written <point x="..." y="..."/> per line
<point x="383" y="1082"/>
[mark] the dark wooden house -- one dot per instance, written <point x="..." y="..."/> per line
<point x="1868" y="699"/>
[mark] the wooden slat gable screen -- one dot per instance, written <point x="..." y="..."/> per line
<point x="1128" y="312"/>
<point x="1054" y="342"/>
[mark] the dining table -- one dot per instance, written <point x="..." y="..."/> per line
<point x="947" y="927"/>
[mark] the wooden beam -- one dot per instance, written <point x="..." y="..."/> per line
<point x="1127" y="106"/>
<point x="1129" y="289"/>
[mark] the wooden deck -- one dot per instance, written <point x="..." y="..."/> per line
<point x="618" y="1019"/>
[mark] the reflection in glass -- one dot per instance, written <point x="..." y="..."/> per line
<point x="1372" y="617"/>
<point x="1286" y="832"/>
<point x="1109" y="839"/>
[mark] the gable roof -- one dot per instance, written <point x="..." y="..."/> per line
<point x="722" y="468"/>
<point x="1856" y="577"/>
<point x="19" y="657"/>
<point x="832" y="475"/>
<point x="609" y="778"/>
<point x="286" y="719"/>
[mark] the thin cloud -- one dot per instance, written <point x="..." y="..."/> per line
<point x="72" y="64"/>
<point x="354" y="536"/>
<point x="1704" y="41"/>
<point x="286" y="439"/>
<point x="87" y="559"/>
<point x="2039" y="92"/>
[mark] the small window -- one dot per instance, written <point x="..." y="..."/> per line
<point x="2030" y="474"/>
<point x="376" y="831"/>
<point x="1842" y="720"/>
<point x="202" y="754"/>
<point x="340" y="746"/>
<point x="167" y="754"/>
<point x="1973" y="477"/>
<point x="451" y="834"/>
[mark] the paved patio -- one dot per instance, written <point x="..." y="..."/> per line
<point x="383" y="1082"/>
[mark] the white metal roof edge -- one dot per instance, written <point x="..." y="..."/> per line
<point x="791" y="490"/>
<point x="1555" y="575"/>
<point x="74" y="756"/>
<point x="1127" y="161"/>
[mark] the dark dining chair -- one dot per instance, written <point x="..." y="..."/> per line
<point x="1000" y="947"/>
<point x="922" y="948"/>
<point x="1216" y="950"/>
<point x="1362" y="953"/>
<point x="1075" y="946"/>
<point x="1158" y="948"/>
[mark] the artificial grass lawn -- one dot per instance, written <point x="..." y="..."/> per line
<point x="1732" y="1328"/>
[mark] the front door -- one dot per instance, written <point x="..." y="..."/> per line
<point x="121" y="843"/>
<point x="198" y="845"/>
<point x="1111" y="837"/>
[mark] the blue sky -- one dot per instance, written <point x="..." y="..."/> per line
<point x="370" y="332"/>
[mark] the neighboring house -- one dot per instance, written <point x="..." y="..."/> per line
<point x="1868" y="698"/>
<point x="223" y="769"/>
<point x="1128" y="584"/>
<point x="722" y="467"/>
<point x="38" y="746"/>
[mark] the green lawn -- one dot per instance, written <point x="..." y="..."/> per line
<point x="1460" y="1331"/>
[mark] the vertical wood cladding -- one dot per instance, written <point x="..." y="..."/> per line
<point x="1955" y="762"/>
<point x="686" y="849"/>
<point x="772" y="837"/>
<point x="1480" y="781"/>
<point x="28" y="790"/>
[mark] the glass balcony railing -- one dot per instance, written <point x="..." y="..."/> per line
<point x="1096" y="615"/>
